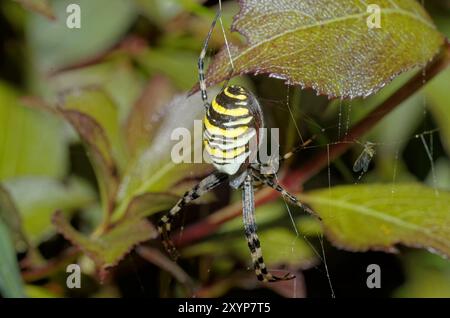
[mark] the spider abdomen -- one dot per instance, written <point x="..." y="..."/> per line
<point x="231" y="127"/>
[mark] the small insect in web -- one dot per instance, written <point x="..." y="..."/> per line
<point x="232" y="122"/>
<point x="364" y="159"/>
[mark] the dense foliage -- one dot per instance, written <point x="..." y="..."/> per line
<point x="86" y="117"/>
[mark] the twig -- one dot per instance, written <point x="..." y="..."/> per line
<point x="154" y="256"/>
<point x="51" y="267"/>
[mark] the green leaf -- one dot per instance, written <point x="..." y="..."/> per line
<point x="179" y="66"/>
<point x="116" y="76"/>
<point x="108" y="249"/>
<point x="328" y="46"/>
<point x="280" y="245"/>
<point x="33" y="291"/>
<point x="309" y="226"/>
<point x="437" y="96"/>
<point x="38" y="198"/>
<point x="440" y="176"/>
<point x="148" y="203"/>
<point x="100" y="153"/>
<point x="10" y="216"/>
<point x="159" y="12"/>
<point x="427" y="276"/>
<point x="140" y="125"/>
<point x="124" y="86"/>
<point x="39" y="6"/>
<point x="391" y="136"/>
<point x="10" y="280"/>
<point x="154" y="170"/>
<point x="379" y="216"/>
<point x="98" y="106"/>
<point x="54" y="45"/>
<point x="439" y="12"/>
<point x="32" y="142"/>
<point x="399" y="125"/>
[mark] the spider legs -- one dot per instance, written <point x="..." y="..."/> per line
<point x="252" y="237"/>
<point x="271" y="166"/>
<point x="201" y="66"/>
<point x="288" y="196"/>
<point x="165" y="223"/>
<point x="297" y="149"/>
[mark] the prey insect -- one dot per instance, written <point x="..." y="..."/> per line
<point x="233" y="121"/>
<point x="364" y="159"/>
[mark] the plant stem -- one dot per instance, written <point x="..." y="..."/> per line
<point x="294" y="179"/>
<point x="52" y="266"/>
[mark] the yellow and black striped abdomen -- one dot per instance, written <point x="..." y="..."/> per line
<point x="230" y="123"/>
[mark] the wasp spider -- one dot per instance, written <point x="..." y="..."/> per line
<point x="230" y="123"/>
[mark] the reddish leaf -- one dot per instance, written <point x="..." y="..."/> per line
<point x="107" y="250"/>
<point x="328" y="45"/>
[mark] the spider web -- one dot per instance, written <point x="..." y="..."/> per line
<point x="342" y="126"/>
<point x="426" y="139"/>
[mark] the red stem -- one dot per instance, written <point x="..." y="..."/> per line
<point x="293" y="179"/>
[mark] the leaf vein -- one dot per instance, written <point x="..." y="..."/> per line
<point x="339" y="19"/>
